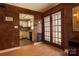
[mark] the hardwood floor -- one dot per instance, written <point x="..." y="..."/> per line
<point x="25" y="42"/>
<point x="35" y="50"/>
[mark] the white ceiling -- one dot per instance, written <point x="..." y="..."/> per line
<point x="40" y="7"/>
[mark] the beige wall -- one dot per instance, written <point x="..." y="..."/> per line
<point x="36" y="27"/>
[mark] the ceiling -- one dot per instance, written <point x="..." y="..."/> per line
<point x="40" y="7"/>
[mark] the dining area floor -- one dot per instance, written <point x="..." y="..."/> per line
<point x="41" y="49"/>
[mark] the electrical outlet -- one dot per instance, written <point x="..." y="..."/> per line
<point x="15" y="26"/>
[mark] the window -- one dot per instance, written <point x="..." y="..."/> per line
<point x="47" y="28"/>
<point x="56" y="28"/>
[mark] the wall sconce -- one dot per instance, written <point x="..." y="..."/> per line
<point x="39" y="22"/>
<point x="76" y="16"/>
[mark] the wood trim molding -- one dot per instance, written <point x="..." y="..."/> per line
<point x="8" y="50"/>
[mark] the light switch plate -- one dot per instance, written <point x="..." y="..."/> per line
<point x="15" y="26"/>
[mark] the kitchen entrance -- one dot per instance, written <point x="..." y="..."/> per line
<point x="26" y="28"/>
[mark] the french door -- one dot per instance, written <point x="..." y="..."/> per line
<point x="47" y="28"/>
<point x="56" y="28"/>
<point x="55" y="37"/>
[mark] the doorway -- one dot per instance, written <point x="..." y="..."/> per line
<point x="52" y="29"/>
<point x="26" y="27"/>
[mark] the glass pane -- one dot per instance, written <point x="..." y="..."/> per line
<point x="54" y="40"/>
<point x="55" y="16"/>
<point x="59" y="28"/>
<point x="54" y="34"/>
<point x="48" y="33"/>
<point x="48" y="39"/>
<point x="59" y="34"/>
<point x="45" y="29"/>
<point x="59" y="22"/>
<point x="59" y="40"/>
<point x="46" y="19"/>
<point x="47" y="24"/>
<point x="59" y="15"/>
<point x="54" y="28"/>
<point x="54" y="23"/>
<point x="48" y="28"/>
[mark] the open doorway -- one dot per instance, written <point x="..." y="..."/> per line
<point x="26" y="28"/>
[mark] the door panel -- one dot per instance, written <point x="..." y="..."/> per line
<point x="56" y="28"/>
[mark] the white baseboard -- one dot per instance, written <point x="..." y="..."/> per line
<point x="8" y="50"/>
<point x="66" y="50"/>
<point x="37" y="43"/>
<point x="15" y="48"/>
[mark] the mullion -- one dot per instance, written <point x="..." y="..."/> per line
<point x="47" y="21"/>
<point x="56" y="37"/>
<point x="47" y="36"/>
<point x="56" y="25"/>
<point x="56" y="19"/>
<point x="47" y="26"/>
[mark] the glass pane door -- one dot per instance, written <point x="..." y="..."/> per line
<point x="56" y="28"/>
<point x="47" y="28"/>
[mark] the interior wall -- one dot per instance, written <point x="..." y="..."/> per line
<point x="9" y="35"/>
<point x="35" y="30"/>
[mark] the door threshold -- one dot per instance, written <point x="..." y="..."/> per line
<point x="36" y="43"/>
